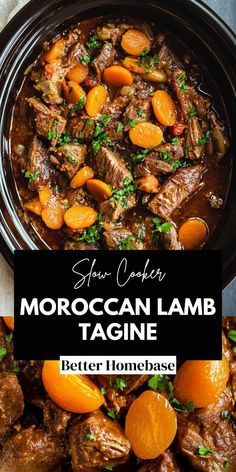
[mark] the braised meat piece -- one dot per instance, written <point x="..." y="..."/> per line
<point x="169" y="239"/>
<point x="206" y="427"/>
<point x="112" y="212"/>
<point x="97" y="442"/>
<point x="117" y="106"/>
<point x="167" y="462"/>
<point x="104" y="59"/>
<point x="193" y="139"/>
<point x="112" y="168"/>
<point x="179" y="187"/>
<point x="55" y="419"/>
<point x="111" y="32"/>
<point x="79" y="246"/>
<point x="69" y="158"/>
<point x="166" y="56"/>
<point x="152" y="164"/>
<point x="49" y="123"/>
<point x="31" y="450"/>
<point x="138" y="110"/>
<point x="39" y="169"/>
<point x="50" y="91"/>
<point x="121" y="238"/>
<point x="118" y="388"/>
<point x="11" y="402"/>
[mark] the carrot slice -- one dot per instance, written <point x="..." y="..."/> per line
<point x="148" y="184"/>
<point x="133" y="64"/>
<point x="80" y="216"/>
<point x="100" y="190"/>
<point x="34" y="206"/>
<point x="53" y="214"/>
<point x="72" y="91"/>
<point x="134" y="42"/>
<point x="164" y="108"/>
<point x="145" y="134"/>
<point x="44" y="195"/>
<point x="81" y="177"/>
<point x="96" y="99"/>
<point x="117" y="76"/>
<point x="193" y="233"/>
<point x="9" y="321"/>
<point x="78" y="73"/>
<point x="55" y="51"/>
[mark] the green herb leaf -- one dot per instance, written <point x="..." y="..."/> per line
<point x="192" y="111"/>
<point x="93" y="42"/>
<point x="90" y="437"/>
<point x="165" y="156"/>
<point x="161" y="382"/>
<point x="90" y="235"/>
<point x="148" y="61"/>
<point x="103" y="391"/>
<point x="9" y="337"/>
<point x="111" y="414"/>
<point x="121" y="383"/>
<point x="64" y="139"/>
<point x="78" y="105"/>
<point x="182" y="80"/>
<point x="85" y="59"/>
<point x="232" y="335"/>
<point x="174" y="140"/>
<point x="119" y="128"/>
<point x="160" y="227"/>
<point x="120" y="196"/>
<point x="3" y="353"/>
<point x="188" y="405"/>
<point x="71" y="159"/>
<point x="141" y="113"/>
<point x="203" y="451"/>
<point x="109" y="467"/>
<point x="104" y="120"/>
<point x="225" y="415"/>
<point x="202" y="141"/>
<point x="89" y="122"/>
<point x="226" y="464"/>
<point x="31" y="176"/>
<point x="126" y="243"/>
<point x="179" y="163"/>
<point x="16" y="369"/>
<point x="136" y="158"/>
<point x="133" y="123"/>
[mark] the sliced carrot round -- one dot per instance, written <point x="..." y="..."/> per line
<point x="150" y="425"/>
<point x="99" y="190"/>
<point x="117" y="76"/>
<point x="201" y="382"/>
<point x="81" y="177"/>
<point x="78" y="73"/>
<point x="134" y="42"/>
<point x="55" y="51"/>
<point x="53" y="214"/>
<point x="44" y="195"/>
<point x="96" y="99"/>
<point x="193" y="233"/>
<point x="133" y="64"/>
<point x="145" y="134"/>
<point x="73" y="92"/>
<point x="9" y="321"/>
<point x="164" y="108"/>
<point x="72" y="392"/>
<point x="34" y="206"/>
<point x="80" y="216"/>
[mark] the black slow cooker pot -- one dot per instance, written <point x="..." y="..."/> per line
<point x="20" y="42"/>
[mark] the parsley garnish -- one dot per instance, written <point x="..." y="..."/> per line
<point x="93" y="42"/>
<point x="78" y="105"/>
<point x="232" y="335"/>
<point x="132" y="123"/>
<point x="71" y="159"/>
<point x="126" y="243"/>
<point x="121" y="383"/>
<point x="188" y="405"/>
<point x="225" y="415"/>
<point x="99" y="135"/>
<point x="182" y="80"/>
<point x="226" y="464"/>
<point x="9" y="337"/>
<point x="31" y="176"/>
<point x="119" y="128"/>
<point x="111" y="414"/>
<point x="109" y="467"/>
<point x="179" y="163"/>
<point x="90" y="235"/>
<point x="103" y="391"/>
<point x="51" y="135"/>
<point x="120" y="196"/>
<point x="165" y="156"/>
<point x="3" y="353"/>
<point x="84" y="59"/>
<point x="202" y="141"/>
<point x="141" y="113"/>
<point x="160" y="227"/>
<point x="104" y="120"/>
<point x="64" y="139"/>
<point x="174" y="140"/>
<point x="148" y="61"/>
<point x="192" y="111"/>
<point x="203" y="451"/>
<point x="139" y="237"/>
<point x="89" y="122"/>
<point x="90" y="437"/>
<point x="16" y="369"/>
<point x="161" y="382"/>
<point x="136" y="158"/>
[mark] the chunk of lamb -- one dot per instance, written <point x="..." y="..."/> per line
<point x="38" y="165"/>
<point x="69" y="158"/>
<point x="194" y="134"/>
<point x="79" y="246"/>
<point x="138" y="110"/>
<point x="112" y="32"/>
<point x="121" y="238"/>
<point x="109" y="446"/>
<point x="190" y="98"/>
<point x="54" y="418"/>
<point x="104" y="59"/>
<point x="154" y="164"/>
<point x="167" y="462"/>
<point x="31" y="450"/>
<point x="176" y="190"/>
<point x="206" y="427"/>
<point x="112" y="168"/>
<point x="50" y="91"/>
<point x="49" y="123"/>
<point x="169" y="240"/>
<point x="167" y="58"/>
<point x="11" y="402"/>
<point x="115" y="397"/>
<point x="111" y="211"/>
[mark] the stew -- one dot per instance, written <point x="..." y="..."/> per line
<point x="137" y="423"/>
<point x="116" y="142"/>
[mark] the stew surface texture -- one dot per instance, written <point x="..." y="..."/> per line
<point x="118" y="141"/>
<point x="137" y="423"/>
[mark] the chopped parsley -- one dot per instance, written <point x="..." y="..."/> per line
<point x="120" y="196"/>
<point x="111" y="414"/>
<point x="174" y="140"/>
<point x="159" y="226"/>
<point x="104" y="119"/>
<point x="70" y="158"/>
<point x="132" y="123"/>
<point x="93" y="42"/>
<point x="203" y="140"/>
<point x="226" y="464"/>
<point x="136" y="158"/>
<point x="109" y="467"/>
<point x="55" y="122"/>
<point x="16" y="369"/>
<point x="99" y="135"/>
<point x="85" y="59"/>
<point x="89" y="122"/>
<point x="119" y="128"/>
<point x="32" y="176"/>
<point x="179" y="163"/>
<point x="165" y="156"/>
<point x="3" y="353"/>
<point x="139" y="237"/>
<point x="192" y="111"/>
<point x="90" y="437"/>
<point x="188" y="405"/>
<point x="232" y="335"/>
<point x="126" y="243"/>
<point x="90" y="235"/>
<point x="225" y="415"/>
<point x="64" y="139"/>
<point x="161" y="382"/>
<point x="182" y="81"/>
<point x="120" y="383"/>
<point x="103" y="391"/>
<point x="141" y="113"/>
<point x="147" y="61"/>
<point x="203" y="451"/>
<point x="9" y="337"/>
<point x="51" y="135"/>
<point x="78" y="105"/>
